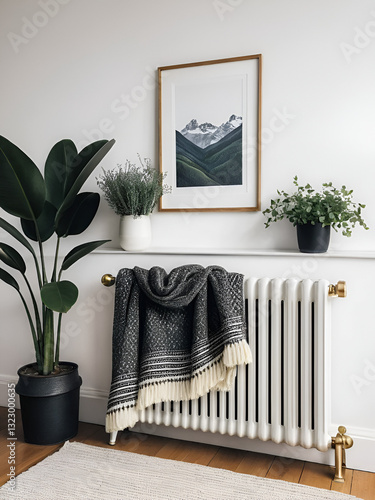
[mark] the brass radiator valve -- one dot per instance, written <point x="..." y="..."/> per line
<point x="340" y="443"/>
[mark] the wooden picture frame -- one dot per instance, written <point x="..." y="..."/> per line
<point x="210" y="134"/>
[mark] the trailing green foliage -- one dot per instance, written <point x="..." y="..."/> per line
<point x="332" y="207"/>
<point x="46" y="206"/>
<point x="132" y="190"/>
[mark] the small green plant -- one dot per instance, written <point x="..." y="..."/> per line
<point x="331" y="207"/>
<point x="132" y="190"/>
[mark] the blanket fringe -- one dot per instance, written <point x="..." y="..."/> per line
<point x="219" y="375"/>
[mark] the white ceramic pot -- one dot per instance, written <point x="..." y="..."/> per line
<point x="135" y="233"/>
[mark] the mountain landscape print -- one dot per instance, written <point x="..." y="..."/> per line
<point x="209" y="155"/>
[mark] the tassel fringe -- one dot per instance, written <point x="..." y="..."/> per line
<point x="219" y="375"/>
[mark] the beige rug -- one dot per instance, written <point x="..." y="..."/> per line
<point x="79" y="471"/>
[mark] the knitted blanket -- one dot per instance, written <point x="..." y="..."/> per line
<point x="175" y="337"/>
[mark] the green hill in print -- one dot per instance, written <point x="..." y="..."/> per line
<point x="219" y="164"/>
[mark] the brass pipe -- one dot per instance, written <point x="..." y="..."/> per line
<point x="338" y="290"/>
<point x="340" y="443"/>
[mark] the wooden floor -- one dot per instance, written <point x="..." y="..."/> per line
<point x="358" y="483"/>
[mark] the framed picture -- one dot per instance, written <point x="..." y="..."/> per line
<point x="210" y="123"/>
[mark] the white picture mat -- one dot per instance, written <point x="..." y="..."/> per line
<point x="185" y="95"/>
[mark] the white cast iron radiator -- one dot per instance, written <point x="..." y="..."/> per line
<point x="284" y="395"/>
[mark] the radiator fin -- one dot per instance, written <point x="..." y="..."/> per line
<point x="283" y="395"/>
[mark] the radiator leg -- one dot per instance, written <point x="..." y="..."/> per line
<point x="112" y="438"/>
<point x="340" y="443"/>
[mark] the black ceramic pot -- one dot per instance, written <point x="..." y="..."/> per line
<point x="313" y="238"/>
<point x="49" y="404"/>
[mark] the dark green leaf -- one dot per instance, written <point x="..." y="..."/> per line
<point x="4" y="276"/>
<point x="79" y="216"/>
<point x="12" y="258"/>
<point x="57" y="169"/>
<point x="22" y="189"/>
<point x="45" y="223"/>
<point x="81" y="160"/>
<point x="79" y="252"/>
<point x="90" y="157"/>
<point x="59" y="296"/>
<point x="16" y="234"/>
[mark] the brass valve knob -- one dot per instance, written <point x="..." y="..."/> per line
<point x="108" y="280"/>
<point x="338" y="290"/>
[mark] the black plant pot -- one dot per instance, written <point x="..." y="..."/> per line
<point x="49" y="404"/>
<point x="313" y="238"/>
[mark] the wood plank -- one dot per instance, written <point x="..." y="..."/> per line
<point x="286" y="469"/>
<point x="95" y="436"/>
<point x="256" y="464"/>
<point x="173" y="450"/>
<point x="227" y="458"/>
<point x="85" y="431"/>
<point x="27" y="455"/>
<point x="144" y="444"/>
<point x="345" y="487"/>
<point x="134" y="442"/>
<point x="186" y="451"/>
<point x="363" y="485"/>
<point x="317" y="475"/>
<point x="358" y="483"/>
<point x="200" y="453"/>
<point x="126" y="441"/>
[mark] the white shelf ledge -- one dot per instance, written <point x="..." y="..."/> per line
<point x="331" y="254"/>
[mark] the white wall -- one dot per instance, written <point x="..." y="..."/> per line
<point x="66" y="65"/>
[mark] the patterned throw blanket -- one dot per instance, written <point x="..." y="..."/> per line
<point x="175" y="337"/>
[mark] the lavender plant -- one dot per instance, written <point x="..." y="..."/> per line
<point x="133" y="190"/>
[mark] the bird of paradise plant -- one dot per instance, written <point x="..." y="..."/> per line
<point x="47" y="206"/>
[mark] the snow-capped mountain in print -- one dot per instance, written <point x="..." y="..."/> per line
<point x="205" y="134"/>
<point x="219" y="164"/>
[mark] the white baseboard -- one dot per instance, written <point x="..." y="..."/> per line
<point x="93" y="404"/>
<point x="5" y="382"/>
<point x="360" y="457"/>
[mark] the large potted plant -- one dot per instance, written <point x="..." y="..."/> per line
<point x="314" y="213"/>
<point x="47" y="206"/>
<point x="133" y="192"/>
